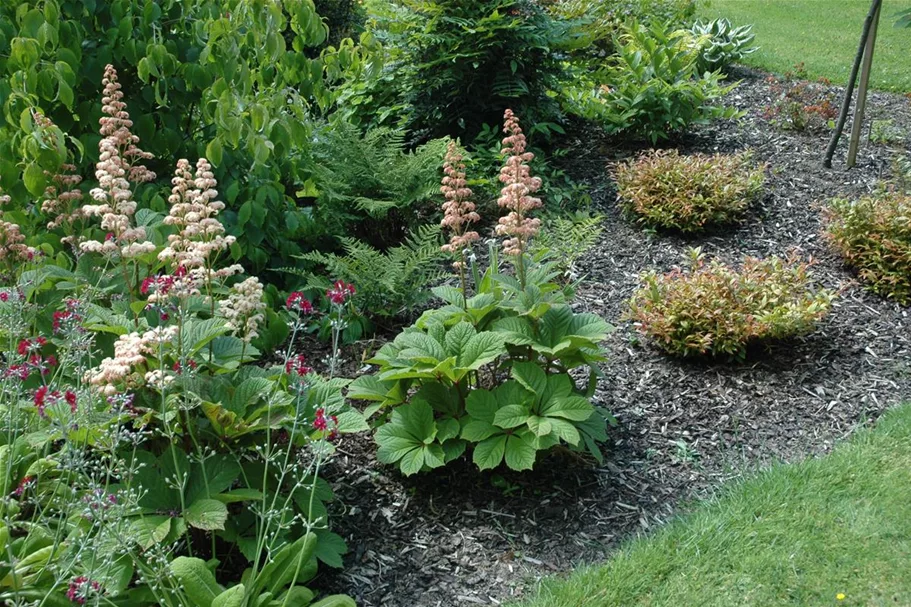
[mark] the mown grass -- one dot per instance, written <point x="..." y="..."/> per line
<point x="828" y="531"/>
<point x="823" y="34"/>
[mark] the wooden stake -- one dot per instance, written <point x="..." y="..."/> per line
<point x="862" y="92"/>
<point x="849" y="92"/>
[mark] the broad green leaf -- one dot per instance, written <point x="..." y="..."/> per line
<point x="232" y="597"/>
<point x="330" y="547"/>
<point x="421" y="347"/>
<point x="352" y="421"/>
<point x="457" y="338"/>
<point x="511" y="416"/>
<point x="540" y="426"/>
<point x="515" y="330"/>
<point x="151" y="529"/>
<point x="292" y="565"/>
<point x="453" y="449"/>
<point x="575" y="408"/>
<point x="217" y="473"/>
<point x="197" y="582"/>
<point x="336" y="600"/>
<point x="297" y="595"/>
<point x="477" y="430"/>
<point x="369" y="387"/>
<point x="206" y="514"/>
<point x="520" y="452"/>
<point x="565" y="430"/>
<point x="482" y="405"/>
<point x="530" y="375"/>
<point x="447" y="428"/>
<point x="413" y="461"/>
<point x="443" y="398"/>
<point x="489" y="453"/>
<point x="481" y="349"/>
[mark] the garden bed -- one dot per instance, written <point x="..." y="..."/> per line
<point x="457" y="536"/>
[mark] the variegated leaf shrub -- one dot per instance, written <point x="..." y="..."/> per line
<point x="716" y="310"/>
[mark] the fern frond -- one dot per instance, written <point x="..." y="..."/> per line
<point x="566" y="240"/>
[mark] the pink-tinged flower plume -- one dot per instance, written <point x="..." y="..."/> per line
<point x="63" y="199"/>
<point x="194" y="211"/>
<point x="458" y="210"/>
<point x="243" y="309"/>
<point x="517" y="191"/>
<point x="116" y="169"/>
<point x="13" y="249"/>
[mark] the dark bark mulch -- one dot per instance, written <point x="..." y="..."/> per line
<point x="461" y="537"/>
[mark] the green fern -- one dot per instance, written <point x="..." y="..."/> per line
<point x="567" y="239"/>
<point x="370" y="186"/>
<point x="389" y="284"/>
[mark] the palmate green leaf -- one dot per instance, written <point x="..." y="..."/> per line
<point x="555" y="325"/>
<point x="447" y="428"/>
<point x="539" y="426"/>
<point x="336" y="600"/>
<point x="515" y="330"/>
<point x="481" y="349"/>
<point x="458" y="337"/>
<point x="574" y="408"/>
<point x="151" y="529"/>
<point x="248" y="392"/>
<point x="589" y="326"/>
<point x="369" y="387"/>
<point x="443" y="398"/>
<point x="453" y="449"/>
<point x="450" y="295"/>
<point x="420" y="347"/>
<point x="239" y="495"/>
<point x="196" y="334"/>
<point x="330" y="547"/>
<point x="351" y="421"/>
<point x="531" y="376"/>
<point x="511" y="416"/>
<point x="520" y="452"/>
<point x="512" y="392"/>
<point x="564" y="430"/>
<point x="488" y="454"/>
<point x="408" y="439"/>
<point x="481" y="406"/>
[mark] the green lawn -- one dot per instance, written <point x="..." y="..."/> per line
<point x="824" y="35"/>
<point x="797" y="535"/>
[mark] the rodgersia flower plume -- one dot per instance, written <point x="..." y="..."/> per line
<point x="517" y="191"/>
<point x="243" y="309"/>
<point x="193" y="210"/>
<point x="458" y="210"/>
<point x="62" y="199"/>
<point x="116" y="170"/>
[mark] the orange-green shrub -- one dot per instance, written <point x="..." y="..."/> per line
<point x="718" y="310"/>
<point x="688" y="193"/>
<point x="874" y="236"/>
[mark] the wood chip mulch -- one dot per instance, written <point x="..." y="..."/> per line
<point x="459" y="537"/>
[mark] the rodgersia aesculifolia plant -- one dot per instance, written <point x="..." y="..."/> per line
<point x="139" y="445"/>
<point x="490" y="370"/>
